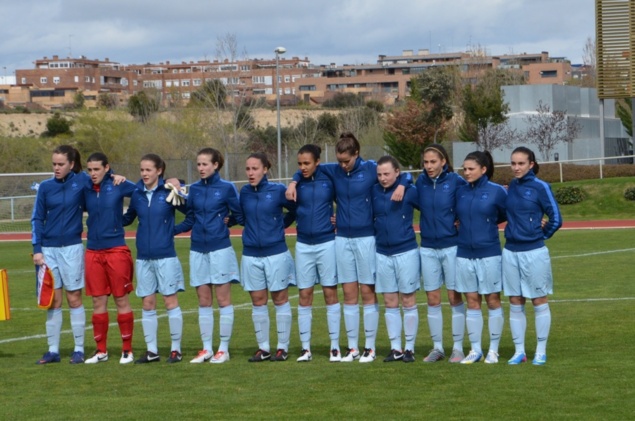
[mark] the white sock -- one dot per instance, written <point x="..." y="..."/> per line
<point x="474" y="322"/>
<point x="260" y="317"/>
<point x="283" y="325"/>
<point x="518" y="326"/>
<point x="351" y="322"/>
<point x="54" y="329"/>
<point x="543" y="325"/>
<point x="393" y="326"/>
<point x="411" y="325"/>
<point x="495" y="323"/>
<point x="206" y="326"/>
<point x="458" y="326"/>
<point x="149" y="323"/>
<point x="78" y="326"/>
<point x="226" y="327"/>
<point x="435" y="322"/>
<point x="333" y="319"/>
<point x="305" y="314"/>
<point x="175" y="320"/>
<point x="371" y="322"/>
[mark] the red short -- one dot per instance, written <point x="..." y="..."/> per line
<point x="109" y="272"/>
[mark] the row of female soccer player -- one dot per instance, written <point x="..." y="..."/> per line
<point x="374" y="251"/>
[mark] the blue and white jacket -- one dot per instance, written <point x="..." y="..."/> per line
<point x="528" y="199"/>
<point x="209" y="202"/>
<point x="394" y="233"/>
<point x="155" y="232"/>
<point x="56" y="220"/>
<point x="315" y="196"/>
<point x="437" y="199"/>
<point x="105" y="212"/>
<point x="480" y="208"/>
<point x="353" y="196"/>
<point x="264" y="219"/>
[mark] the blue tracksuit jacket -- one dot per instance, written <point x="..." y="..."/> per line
<point x="105" y="213"/>
<point x="528" y="199"/>
<point x="437" y="198"/>
<point x="394" y="233"/>
<point x="209" y="202"/>
<point x="480" y="207"/>
<point x="265" y="222"/>
<point x="315" y="207"/>
<point x="56" y="220"/>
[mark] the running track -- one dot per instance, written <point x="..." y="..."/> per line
<point x="235" y="232"/>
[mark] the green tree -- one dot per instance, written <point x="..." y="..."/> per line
<point x="344" y="100"/>
<point x="142" y="105"/>
<point x="57" y="125"/>
<point x="107" y="101"/>
<point x="79" y="100"/>
<point x="625" y="114"/>
<point x="212" y="94"/>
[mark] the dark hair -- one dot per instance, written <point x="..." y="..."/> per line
<point x="531" y="156"/>
<point x="98" y="157"/>
<point x="439" y="150"/>
<point x="156" y="159"/>
<point x="262" y="157"/>
<point x="72" y="155"/>
<point x="347" y="143"/>
<point x="217" y="157"/>
<point x="389" y="159"/>
<point x="314" y="150"/>
<point x="484" y="159"/>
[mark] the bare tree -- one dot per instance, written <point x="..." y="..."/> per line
<point x="590" y="63"/>
<point x="546" y="129"/>
<point x="494" y="136"/>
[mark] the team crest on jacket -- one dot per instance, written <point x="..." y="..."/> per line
<point x="162" y="197"/>
<point x="325" y="185"/>
<point x="74" y="185"/>
<point x="360" y="176"/>
<point x="446" y="187"/>
<point x="527" y="193"/>
<point x="216" y="194"/>
<point x="109" y="188"/>
<point x="484" y="196"/>
<point x="268" y="196"/>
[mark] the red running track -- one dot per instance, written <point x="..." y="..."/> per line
<point x="571" y="225"/>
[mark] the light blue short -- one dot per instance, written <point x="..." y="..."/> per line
<point x="479" y="275"/>
<point x="438" y="267"/>
<point x="164" y="276"/>
<point x="398" y="272"/>
<point x="527" y="273"/>
<point x="315" y="263"/>
<point x="67" y="265"/>
<point x="355" y="259"/>
<point x="216" y="267"/>
<point x="273" y="273"/>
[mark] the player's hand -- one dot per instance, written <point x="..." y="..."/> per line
<point x="333" y="219"/>
<point x="118" y="179"/>
<point x="177" y="196"/>
<point x="291" y="193"/>
<point x="397" y="195"/>
<point x="38" y="259"/>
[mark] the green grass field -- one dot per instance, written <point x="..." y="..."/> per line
<point x="589" y="374"/>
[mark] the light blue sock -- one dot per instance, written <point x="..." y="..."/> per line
<point x="283" y="325"/>
<point x="226" y="327"/>
<point x="474" y="322"/>
<point x="78" y="326"/>
<point x="351" y="322"/>
<point x="206" y="327"/>
<point x="518" y="326"/>
<point x="333" y="319"/>
<point x="175" y="320"/>
<point x="410" y="326"/>
<point x="393" y="326"/>
<point x="54" y="329"/>
<point x="435" y="322"/>
<point x="458" y="326"/>
<point x="371" y="322"/>
<point x="305" y="314"/>
<point x="149" y="323"/>
<point x="543" y="325"/>
<point x="495" y="321"/>
<point x="260" y="317"/>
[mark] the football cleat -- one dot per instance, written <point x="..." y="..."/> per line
<point x="98" y="357"/>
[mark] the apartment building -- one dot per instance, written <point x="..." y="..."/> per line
<point x="54" y="82"/>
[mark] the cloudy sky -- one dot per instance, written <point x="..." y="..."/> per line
<point x="341" y="32"/>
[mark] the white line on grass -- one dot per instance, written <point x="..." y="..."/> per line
<point x="597" y="253"/>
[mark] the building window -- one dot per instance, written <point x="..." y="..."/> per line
<point x="168" y="83"/>
<point x="134" y="83"/>
<point x="287" y="79"/>
<point x="307" y="87"/>
<point x="43" y="80"/>
<point x="197" y="82"/>
<point x="185" y="95"/>
<point x="23" y="80"/>
<point x="186" y="82"/>
<point x="258" y="79"/>
<point x="549" y="73"/>
<point x="87" y="79"/>
<point x="244" y="67"/>
<point x="76" y="79"/>
<point x="56" y="80"/>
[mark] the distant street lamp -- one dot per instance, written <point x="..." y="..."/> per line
<point x="278" y="51"/>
